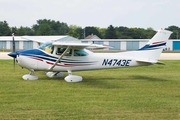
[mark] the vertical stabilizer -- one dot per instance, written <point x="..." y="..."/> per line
<point x="158" y="41"/>
<point x="152" y="50"/>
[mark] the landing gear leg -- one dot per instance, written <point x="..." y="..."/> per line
<point x="54" y="74"/>
<point x="69" y="72"/>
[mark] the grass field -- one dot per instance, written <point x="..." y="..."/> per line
<point x="141" y="93"/>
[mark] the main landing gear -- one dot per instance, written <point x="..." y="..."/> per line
<point x="72" y="78"/>
<point x="69" y="78"/>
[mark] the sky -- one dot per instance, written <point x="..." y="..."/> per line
<point x="99" y="13"/>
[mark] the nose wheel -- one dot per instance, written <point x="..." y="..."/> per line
<point x="30" y="76"/>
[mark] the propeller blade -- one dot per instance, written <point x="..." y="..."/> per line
<point x="14" y="55"/>
<point x="13" y="42"/>
<point x="14" y="64"/>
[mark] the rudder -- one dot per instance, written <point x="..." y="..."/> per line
<point x="158" y="41"/>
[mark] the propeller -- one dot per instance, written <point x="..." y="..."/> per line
<point x="13" y="43"/>
<point x="14" y="53"/>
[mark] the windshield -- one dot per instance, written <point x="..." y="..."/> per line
<point x="47" y="47"/>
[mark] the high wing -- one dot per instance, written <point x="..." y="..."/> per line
<point x="79" y="45"/>
<point x="64" y="41"/>
<point x="43" y="39"/>
<point x="71" y="45"/>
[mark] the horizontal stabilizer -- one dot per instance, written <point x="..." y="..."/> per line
<point x="160" y="63"/>
<point x="150" y="62"/>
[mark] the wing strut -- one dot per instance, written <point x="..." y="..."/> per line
<point x="59" y="58"/>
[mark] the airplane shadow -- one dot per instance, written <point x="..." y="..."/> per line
<point x="87" y="81"/>
<point x="107" y="82"/>
<point x="147" y="78"/>
<point x="104" y="84"/>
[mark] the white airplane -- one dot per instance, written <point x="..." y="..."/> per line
<point x="69" y="54"/>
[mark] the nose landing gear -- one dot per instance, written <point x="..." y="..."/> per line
<point x="30" y="76"/>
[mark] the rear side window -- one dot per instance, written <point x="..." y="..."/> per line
<point x="80" y="53"/>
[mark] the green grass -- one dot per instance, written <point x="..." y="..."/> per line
<point x="141" y="93"/>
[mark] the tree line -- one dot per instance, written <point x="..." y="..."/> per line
<point x="52" y="27"/>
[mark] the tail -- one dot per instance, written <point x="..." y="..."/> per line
<point x="150" y="53"/>
<point x="154" y="47"/>
<point x="158" y="41"/>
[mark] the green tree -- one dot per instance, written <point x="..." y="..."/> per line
<point x="50" y="27"/>
<point x="149" y="32"/>
<point x="92" y="30"/>
<point x="75" y="31"/>
<point x="123" y="32"/>
<point x="44" y="29"/>
<point x="110" y="33"/>
<point x="175" y="30"/>
<point x="4" y="29"/>
<point x="137" y="33"/>
<point x="14" y="30"/>
<point x="134" y="33"/>
<point x="80" y="31"/>
<point x="102" y="32"/>
<point x="24" y="31"/>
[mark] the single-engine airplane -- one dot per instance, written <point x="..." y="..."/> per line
<point x="70" y="54"/>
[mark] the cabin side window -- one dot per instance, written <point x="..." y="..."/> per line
<point x="71" y="52"/>
<point x="80" y="53"/>
<point x="61" y="51"/>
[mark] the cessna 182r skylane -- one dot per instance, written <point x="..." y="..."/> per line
<point x="69" y="54"/>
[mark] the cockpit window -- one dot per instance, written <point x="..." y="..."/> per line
<point x="71" y="51"/>
<point x="47" y="47"/>
<point x="61" y="51"/>
<point x="80" y="53"/>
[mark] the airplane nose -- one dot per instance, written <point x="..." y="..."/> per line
<point x="13" y="54"/>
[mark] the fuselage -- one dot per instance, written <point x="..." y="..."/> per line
<point x="38" y="59"/>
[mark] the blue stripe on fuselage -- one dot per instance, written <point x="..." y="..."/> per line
<point x="40" y="54"/>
